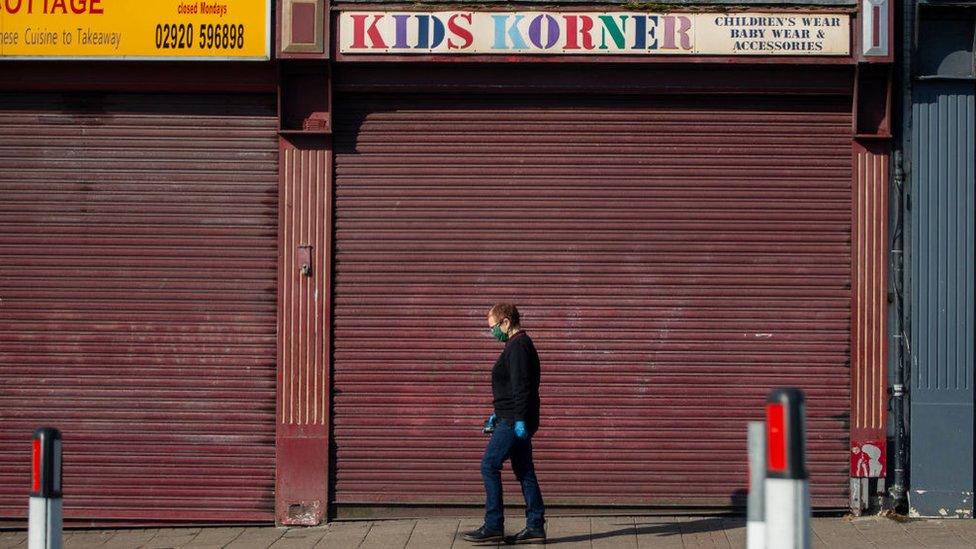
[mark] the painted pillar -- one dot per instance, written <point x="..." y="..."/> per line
<point x="869" y="336"/>
<point x="869" y="252"/>
<point x="304" y="272"/>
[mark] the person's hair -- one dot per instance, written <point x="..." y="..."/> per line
<point x="506" y="310"/>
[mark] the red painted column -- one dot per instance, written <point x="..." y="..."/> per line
<point x="305" y="168"/>
<point x="305" y="263"/>
<point x="869" y="309"/>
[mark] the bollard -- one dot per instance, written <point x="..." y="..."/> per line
<point x="45" y="519"/>
<point x="756" y="521"/>
<point x="787" y="483"/>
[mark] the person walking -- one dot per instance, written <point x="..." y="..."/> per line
<point x="515" y="391"/>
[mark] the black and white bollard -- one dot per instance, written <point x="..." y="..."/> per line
<point x="787" y="482"/>
<point x="44" y="524"/>
<point x="756" y="521"/>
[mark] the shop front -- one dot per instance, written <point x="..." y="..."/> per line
<point x="255" y="291"/>
<point x="688" y="207"/>
<point x="138" y="259"/>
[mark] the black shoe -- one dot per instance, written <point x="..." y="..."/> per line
<point x="529" y="535"/>
<point x="483" y="534"/>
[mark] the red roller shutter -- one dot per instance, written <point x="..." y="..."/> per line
<point x="674" y="258"/>
<point x="138" y="246"/>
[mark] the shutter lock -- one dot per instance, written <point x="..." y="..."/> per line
<point x="305" y="260"/>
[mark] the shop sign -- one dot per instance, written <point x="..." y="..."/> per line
<point x="610" y="33"/>
<point x="135" y="29"/>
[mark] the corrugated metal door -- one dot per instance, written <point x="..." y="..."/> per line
<point x="943" y="306"/>
<point x="674" y="258"/>
<point x="138" y="246"/>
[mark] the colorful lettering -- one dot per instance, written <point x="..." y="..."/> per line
<point x="578" y="27"/>
<point x="539" y="32"/>
<point x="511" y="31"/>
<point x="616" y="33"/>
<point x="400" y="26"/>
<point x="459" y="31"/>
<point x="424" y="29"/>
<point x="552" y="31"/>
<point x="675" y="27"/>
<point x="360" y="31"/>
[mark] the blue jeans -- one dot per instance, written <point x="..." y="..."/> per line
<point x="505" y="445"/>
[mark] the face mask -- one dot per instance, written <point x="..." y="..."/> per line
<point x="498" y="334"/>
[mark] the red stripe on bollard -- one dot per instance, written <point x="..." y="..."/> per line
<point x="36" y="466"/>
<point x="776" y="437"/>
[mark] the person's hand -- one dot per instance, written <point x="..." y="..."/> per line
<point x="489" y="425"/>
<point x="520" y="430"/>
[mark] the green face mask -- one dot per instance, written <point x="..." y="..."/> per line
<point x="497" y="332"/>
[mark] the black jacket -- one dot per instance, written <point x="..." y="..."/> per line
<point x="515" y="382"/>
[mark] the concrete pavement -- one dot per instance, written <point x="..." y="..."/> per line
<point x="564" y="533"/>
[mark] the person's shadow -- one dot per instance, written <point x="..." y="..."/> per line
<point x="709" y="524"/>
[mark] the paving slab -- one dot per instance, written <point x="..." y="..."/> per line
<point x="659" y="532"/>
<point x="257" y="538"/>
<point x="466" y="525"/>
<point x="390" y="534"/>
<point x="922" y="525"/>
<point x="966" y="529"/>
<point x="344" y="535"/>
<point x="209" y="538"/>
<point x="12" y="540"/>
<point x="301" y="538"/>
<point x="127" y="539"/>
<point x="86" y="539"/>
<point x="837" y="533"/>
<point x="613" y="533"/>
<point x="735" y="531"/>
<point x="167" y="538"/>
<point x="935" y="535"/>
<point x="433" y="534"/>
<point x="568" y="532"/>
<point x="705" y="532"/>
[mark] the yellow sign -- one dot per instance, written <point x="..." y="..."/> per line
<point x="135" y="29"/>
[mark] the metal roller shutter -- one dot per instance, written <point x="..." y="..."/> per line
<point x="138" y="248"/>
<point x="674" y="258"/>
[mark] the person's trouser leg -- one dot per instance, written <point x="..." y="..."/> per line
<point x="524" y="468"/>
<point x="498" y="449"/>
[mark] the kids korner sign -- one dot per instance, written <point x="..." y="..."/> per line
<point x="612" y="33"/>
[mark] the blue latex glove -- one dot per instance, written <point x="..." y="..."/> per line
<point x="492" y="419"/>
<point x="520" y="430"/>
